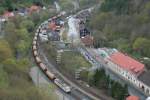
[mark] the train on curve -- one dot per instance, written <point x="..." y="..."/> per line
<point x="41" y="65"/>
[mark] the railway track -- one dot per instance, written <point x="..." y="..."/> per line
<point x="53" y="73"/>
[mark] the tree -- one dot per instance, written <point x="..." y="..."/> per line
<point x="8" y="4"/>
<point x="5" y="50"/>
<point x="10" y="34"/>
<point x="27" y="24"/>
<point x="99" y="20"/>
<point x="22" y="47"/>
<point x="2" y="10"/>
<point x="118" y="6"/>
<point x="3" y="78"/>
<point x="98" y="76"/>
<point x="66" y="4"/>
<point x="142" y="45"/>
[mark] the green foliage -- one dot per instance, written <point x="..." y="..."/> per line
<point x="84" y="75"/>
<point x="30" y="93"/>
<point x="8" y="4"/>
<point x="85" y="3"/>
<point x="27" y="24"/>
<point x="37" y="18"/>
<point x="18" y="34"/>
<point x="1" y="10"/>
<point x="100" y="20"/>
<point x="119" y="23"/>
<point x="115" y="89"/>
<point x="3" y="78"/>
<point x="75" y="62"/>
<point x="66" y="4"/>
<point x="22" y="47"/>
<point x="117" y="6"/>
<point x="15" y="83"/>
<point x="5" y="50"/>
<point x="142" y="45"/>
<point x="13" y="4"/>
<point x="147" y="64"/>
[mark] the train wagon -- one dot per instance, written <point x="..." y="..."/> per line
<point x="50" y="75"/>
<point x="43" y="67"/>
<point x="35" y="53"/>
<point x="35" y="38"/>
<point x="38" y="60"/>
<point x="36" y="34"/>
<point x="34" y="43"/>
<point x="34" y="47"/>
<point x="62" y="85"/>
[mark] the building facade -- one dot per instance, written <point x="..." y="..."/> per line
<point x="128" y="68"/>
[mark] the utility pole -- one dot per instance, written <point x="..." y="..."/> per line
<point x="38" y="83"/>
<point x="0" y="26"/>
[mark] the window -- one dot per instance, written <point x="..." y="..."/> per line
<point x="143" y="87"/>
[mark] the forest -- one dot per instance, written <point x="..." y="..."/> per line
<point x="15" y="48"/>
<point x="16" y="57"/>
<point x="123" y="24"/>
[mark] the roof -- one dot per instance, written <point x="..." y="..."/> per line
<point x="127" y="62"/>
<point x="87" y="40"/>
<point x="22" y="10"/>
<point x="132" y="98"/>
<point x="52" y="26"/>
<point x="144" y="77"/>
<point x="34" y="8"/>
<point x="8" y="14"/>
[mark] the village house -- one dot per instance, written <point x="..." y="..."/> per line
<point x="132" y="98"/>
<point x="34" y="8"/>
<point x="7" y="14"/>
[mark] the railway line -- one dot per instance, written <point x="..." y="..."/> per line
<point x="65" y="83"/>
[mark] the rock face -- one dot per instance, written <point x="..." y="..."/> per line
<point x="73" y="33"/>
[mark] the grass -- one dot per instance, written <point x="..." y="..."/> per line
<point x="72" y="61"/>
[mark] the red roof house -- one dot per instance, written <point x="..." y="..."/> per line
<point x="127" y="63"/>
<point x="34" y="8"/>
<point x="132" y="98"/>
<point x="52" y="26"/>
<point x="8" y="14"/>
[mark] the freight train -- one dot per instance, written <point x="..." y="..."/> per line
<point x="44" y="67"/>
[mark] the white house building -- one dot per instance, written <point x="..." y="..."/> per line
<point x="128" y="68"/>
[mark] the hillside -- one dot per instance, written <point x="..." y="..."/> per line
<point x="123" y="24"/>
<point x="15" y="50"/>
<point x="15" y="47"/>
